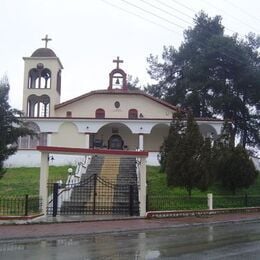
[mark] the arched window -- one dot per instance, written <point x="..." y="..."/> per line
<point x="58" y="81"/>
<point x="100" y="113"/>
<point x="132" y="114"/>
<point x="45" y="79"/>
<point x="39" y="78"/>
<point x="28" y="142"/>
<point x="38" y="106"/>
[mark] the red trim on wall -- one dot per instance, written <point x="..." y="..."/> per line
<point x="121" y="118"/>
<point x="70" y="150"/>
<point x="26" y="149"/>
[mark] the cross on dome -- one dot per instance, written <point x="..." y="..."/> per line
<point x="46" y="39"/>
<point x="117" y="61"/>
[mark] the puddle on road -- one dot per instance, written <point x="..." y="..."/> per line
<point x="157" y="244"/>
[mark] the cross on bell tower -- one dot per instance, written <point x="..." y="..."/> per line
<point x="117" y="77"/>
<point x="117" y="61"/>
<point x="46" y="39"/>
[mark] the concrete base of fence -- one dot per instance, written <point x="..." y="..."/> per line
<point x="20" y="217"/>
<point x="198" y="213"/>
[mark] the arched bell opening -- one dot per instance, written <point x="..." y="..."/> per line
<point x="38" y="106"/>
<point x="39" y="78"/>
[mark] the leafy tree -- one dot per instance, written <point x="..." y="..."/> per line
<point x="133" y="84"/>
<point x="11" y="126"/>
<point x="213" y="74"/>
<point x="188" y="157"/>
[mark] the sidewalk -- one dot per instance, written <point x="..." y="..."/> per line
<point x="75" y="226"/>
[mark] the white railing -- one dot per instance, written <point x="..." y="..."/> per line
<point x="138" y="172"/>
<point x="64" y="194"/>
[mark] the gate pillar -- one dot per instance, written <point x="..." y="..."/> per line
<point x="143" y="187"/>
<point x="44" y="172"/>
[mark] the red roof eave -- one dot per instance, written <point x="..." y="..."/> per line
<point x="84" y="151"/>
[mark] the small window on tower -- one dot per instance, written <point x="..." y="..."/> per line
<point x="68" y="114"/>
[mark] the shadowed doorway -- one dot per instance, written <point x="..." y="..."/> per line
<point x="115" y="142"/>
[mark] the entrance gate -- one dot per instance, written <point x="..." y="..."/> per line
<point x="94" y="196"/>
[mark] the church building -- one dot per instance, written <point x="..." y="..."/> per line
<point x="115" y="117"/>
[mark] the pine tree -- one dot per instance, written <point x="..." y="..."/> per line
<point x="214" y="74"/>
<point x="172" y="141"/>
<point x="233" y="167"/>
<point x="188" y="160"/>
<point x="11" y="126"/>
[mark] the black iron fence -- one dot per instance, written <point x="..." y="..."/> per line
<point x="236" y="201"/>
<point x="94" y="195"/>
<point x="157" y="203"/>
<point x="19" y="205"/>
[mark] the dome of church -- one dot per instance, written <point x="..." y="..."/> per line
<point x="44" y="52"/>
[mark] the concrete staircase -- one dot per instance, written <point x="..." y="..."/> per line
<point x="111" y="188"/>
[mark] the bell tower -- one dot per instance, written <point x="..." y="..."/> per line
<point x="117" y="77"/>
<point x="42" y="82"/>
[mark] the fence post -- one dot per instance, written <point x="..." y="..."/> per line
<point x="131" y="200"/>
<point x="147" y="202"/>
<point x="210" y="201"/>
<point x="55" y="199"/>
<point x="26" y="205"/>
<point x="95" y="194"/>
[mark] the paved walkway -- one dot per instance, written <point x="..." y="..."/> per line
<point x="79" y="226"/>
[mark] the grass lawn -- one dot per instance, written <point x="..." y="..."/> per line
<point x="21" y="181"/>
<point x="157" y="186"/>
<point x="162" y="197"/>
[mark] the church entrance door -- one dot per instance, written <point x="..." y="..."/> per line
<point x="115" y="142"/>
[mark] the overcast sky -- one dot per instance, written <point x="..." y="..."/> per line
<point x="88" y="34"/>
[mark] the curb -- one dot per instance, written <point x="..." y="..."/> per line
<point x="198" y="213"/>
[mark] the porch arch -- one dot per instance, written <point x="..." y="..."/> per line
<point x="68" y="131"/>
<point x="105" y="132"/>
<point x="208" y="130"/>
<point x="154" y="140"/>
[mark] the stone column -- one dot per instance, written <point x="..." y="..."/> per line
<point x="44" y="173"/>
<point x="49" y="139"/>
<point x="143" y="187"/>
<point x="141" y="142"/>
<point x="210" y="201"/>
<point x="87" y="138"/>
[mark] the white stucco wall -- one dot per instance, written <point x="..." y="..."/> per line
<point x="153" y="141"/>
<point x="32" y="158"/>
<point x="87" y="106"/>
<point x="68" y="136"/>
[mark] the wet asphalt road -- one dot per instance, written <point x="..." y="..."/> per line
<point x="225" y="241"/>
